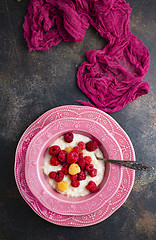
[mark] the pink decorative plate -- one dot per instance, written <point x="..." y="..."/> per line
<point x="115" y="130"/>
<point x="39" y="186"/>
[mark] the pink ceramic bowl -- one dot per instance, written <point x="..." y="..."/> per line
<point x="49" y="197"/>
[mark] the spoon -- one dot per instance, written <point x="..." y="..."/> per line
<point x="129" y="164"/>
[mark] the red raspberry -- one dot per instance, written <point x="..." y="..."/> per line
<point x="72" y="157"/>
<point x="91" y="186"/>
<point x="91" y="146"/>
<point x="82" y="145"/>
<point x="81" y="176"/>
<point x="54" y="161"/>
<point x="77" y="149"/>
<point x="52" y="175"/>
<point x="68" y="137"/>
<point x="65" y="168"/>
<point x="81" y="156"/>
<point x="89" y="167"/>
<point x="62" y="156"/>
<point x="87" y="159"/>
<point x="75" y="183"/>
<point x="73" y="177"/>
<point x="93" y="172"/>
<point x="59" y="176"/>
<point x="54" y="150"/>
<point x="82" y="164"/>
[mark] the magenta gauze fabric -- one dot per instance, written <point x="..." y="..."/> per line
<point x="111" y="77"/>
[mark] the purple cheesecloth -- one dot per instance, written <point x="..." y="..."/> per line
<point x="111" y="77"/>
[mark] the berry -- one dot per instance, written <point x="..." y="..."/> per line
<point x="59" y="176"/>
<point x="75" y="183"/>
<point x="62" y="186"/>
<point x="91" y="146"/>
<point x="72" y="157"/>
<point x="65" y="168"/>
<point x="62" y="156"/>
<point x="82" y="164"/>
<point x="73" y="177"/>
<point x="54" y="150"/>
<point x="68" y="137"/>
<point x="93" y="172"/>
<point x="81" y="176"/>
<point x="68" y="149"/>
<point x="81" y="156"/>
<point x="52" y="175"/>
<point x="82" y="145"/>
<point x="87" y="159"/>
<point x="91" y="186"/>
<point x="74" y="169"/>
<point x="89" y="167"/>
<point x="77" y="149"/>
<point x="54" y="161"/>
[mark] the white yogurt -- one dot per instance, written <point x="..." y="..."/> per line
<point x="98" y="164"/>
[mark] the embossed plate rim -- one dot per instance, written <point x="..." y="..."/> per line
<point x="77" y="221"/>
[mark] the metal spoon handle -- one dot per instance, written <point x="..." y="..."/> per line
<point x="130" y="164"/>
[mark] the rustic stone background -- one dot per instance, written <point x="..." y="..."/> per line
<point x="32" y="83"/>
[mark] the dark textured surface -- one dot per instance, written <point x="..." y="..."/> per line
<point x="34" y="82"/>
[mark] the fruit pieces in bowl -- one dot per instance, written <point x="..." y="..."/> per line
<point x="71" y="165"/>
